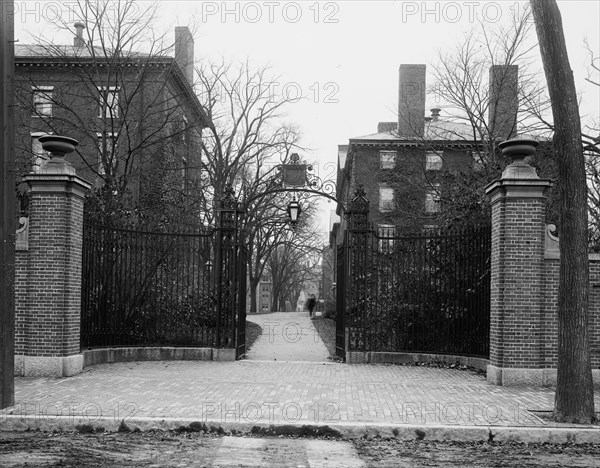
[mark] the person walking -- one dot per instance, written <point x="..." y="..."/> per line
<point x="310" y="304"/>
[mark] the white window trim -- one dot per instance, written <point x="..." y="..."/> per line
<point x="387" y="205"/>
<point x="41" y="157"/>
<point x="184" y="131"/>
<point x="386" y="234"/>
<point x="114" y="90"/>
<point x="477" y="161"/>
<point x="434" y="166"/>
<point x="42" y="91"/>
<point x="184" y="173"/>
<point x="432" y="199"/>
<point x="112" y="136"/>
<point x="388" y="229"/>
<point x="387" y="164"/>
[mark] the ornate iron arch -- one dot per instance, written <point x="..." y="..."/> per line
<point x="296" y="176"/>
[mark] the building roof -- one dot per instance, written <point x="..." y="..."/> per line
<point x="54" y="51"/>
<point x="53" y="55"/>
<point x="434" y="130"/>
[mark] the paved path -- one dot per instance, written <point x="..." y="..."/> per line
<point x="287" y="336"/>
<point x="281" y="392"/>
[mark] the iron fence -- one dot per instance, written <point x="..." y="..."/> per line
<point x="148" y="289"/>
<point x="340" y="313"/>
<point x="423" y="293"/>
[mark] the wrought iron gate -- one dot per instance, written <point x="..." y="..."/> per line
<point x="143" y="288"/>
<point x="240" y="343"/>
<point x="340" y="293"/>
<point x="426" y="293"/>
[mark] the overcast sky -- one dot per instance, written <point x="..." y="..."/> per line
<point x="343" y="56"/>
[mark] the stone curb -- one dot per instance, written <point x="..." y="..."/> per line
<point x="532" y="434"/>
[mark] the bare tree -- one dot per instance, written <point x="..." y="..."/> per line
<point x="247" y="131"/>
<point x="125" y="99"/>
<point x="243" y="147"/>
<point x="487" y="89"/>
<point x="574" y="398"/>
<point x="293" y="262"/>
<point x="591" y="148"/>
<point x="268" y="230"/>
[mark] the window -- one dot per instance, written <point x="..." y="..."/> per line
<point x="386" y="233"/>
<point x="387" y="159"/>
<point x="108" y="144"/>
<point x="184" y="131"/>
<point x="42" y="101"/>
<point x="109" y="102"/>
<point x="184" y="174"/>
<point x="386" y="199"/>
<point x="432" y="199"/>
<point x="386" y="230"/>
<point x="478" y="159"/>
<point x="433" y="161"/>
<point x="39" y="155"/>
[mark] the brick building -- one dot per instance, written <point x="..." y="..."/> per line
<point x="136" y="117"/>
<point x="265" y="297"/>
<point x="402" y="165"/>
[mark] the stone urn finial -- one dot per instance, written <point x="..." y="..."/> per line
<point x="518" y="149"/>
<point x="58" y="146"/>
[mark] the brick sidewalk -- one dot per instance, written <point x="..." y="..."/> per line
<point x="281" y="392"/>
<point x="286" y="380"/>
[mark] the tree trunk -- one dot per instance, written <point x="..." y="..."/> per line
<point x="276" y="297"/>
<point x="253" y="293"/>
<point x="574" y="398"/>
<point x="7" y="208"/>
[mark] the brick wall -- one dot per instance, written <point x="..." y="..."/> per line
<point x="155" y="108"/>
<point x="524" y="283"/>
<point x="521" y="260"/>
<point x="48" y="277"/>
<point x="408" y="179"/>
<point x="549" y="317"/>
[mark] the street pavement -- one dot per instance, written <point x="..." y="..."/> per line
<point x="287" y="385"/>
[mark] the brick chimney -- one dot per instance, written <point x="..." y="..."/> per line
<point x="411" y="101"/>
<point x="184" y="52"/>
<point x="387" y="127"/>
<point x="504" y="100"/>
<point x="78" y="40"/>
